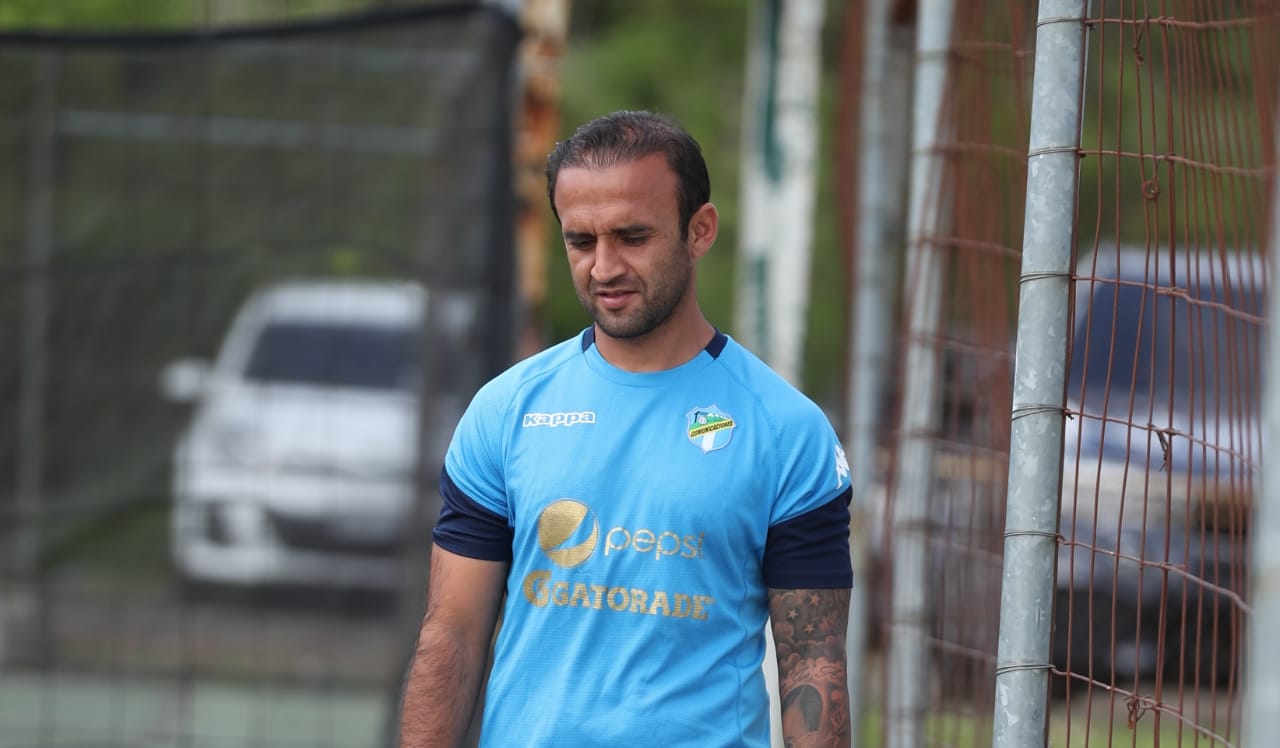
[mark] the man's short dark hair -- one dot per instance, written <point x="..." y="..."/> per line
<point x="625" y="136"/>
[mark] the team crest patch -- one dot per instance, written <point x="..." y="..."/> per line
<point x="709" y="428"/>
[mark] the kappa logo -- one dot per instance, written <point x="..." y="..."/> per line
<point x="842" y="466"/>
<point x="709" y="428"/>
<point x="559" y="419"/>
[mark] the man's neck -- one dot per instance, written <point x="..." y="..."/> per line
<point x="665" y="347"/>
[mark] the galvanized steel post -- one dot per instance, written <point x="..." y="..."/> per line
<point x="1035" y="456"/>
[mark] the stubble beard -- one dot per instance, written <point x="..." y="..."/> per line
<point x="657" y="306"/>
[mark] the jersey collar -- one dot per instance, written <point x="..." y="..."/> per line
<point x="713" y="347"/>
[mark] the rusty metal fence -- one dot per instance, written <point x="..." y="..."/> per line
<point x="1162" y="442"/>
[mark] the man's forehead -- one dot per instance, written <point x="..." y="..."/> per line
<point x="650" y="165"/>
<point x="648" y="180"/>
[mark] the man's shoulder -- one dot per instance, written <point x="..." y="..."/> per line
<point x="771" y="388"/>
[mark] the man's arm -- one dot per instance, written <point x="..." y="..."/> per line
<point x="443" y="685"/>
<point x="809" y="632"/>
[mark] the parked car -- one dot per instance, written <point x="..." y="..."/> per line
<point x="1159" y="466"/>
<point x="299" y="463"/>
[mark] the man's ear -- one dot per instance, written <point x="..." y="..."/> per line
<point x="703" y="225"/>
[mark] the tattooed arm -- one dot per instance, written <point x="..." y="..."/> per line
<point x="809" y="632"/>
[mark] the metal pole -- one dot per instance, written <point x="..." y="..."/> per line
<point x="1262" y="663"/>
<point x="1039" y="387"/>
<point x="881" y="213"/>
<point x="905" y="699"/>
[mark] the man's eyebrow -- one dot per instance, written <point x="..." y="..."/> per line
<point x="629" y="230"/>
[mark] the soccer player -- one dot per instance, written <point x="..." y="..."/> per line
<point x="637" y="501"/>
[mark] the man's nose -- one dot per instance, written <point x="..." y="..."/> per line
<point x="608" y="262"/>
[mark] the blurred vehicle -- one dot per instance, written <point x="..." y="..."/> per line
<point x="1158" y="468"/>
<point x="299" y="463"/>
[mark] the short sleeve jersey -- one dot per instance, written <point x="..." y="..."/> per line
<point x="639" y="507"/>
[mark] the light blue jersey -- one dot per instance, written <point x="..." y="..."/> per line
<point x="639" y="506"/>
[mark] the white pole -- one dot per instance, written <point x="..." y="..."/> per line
<point x="885" y="114"/>
<point x="906" y="698"/>
<point x="780" y="138"/>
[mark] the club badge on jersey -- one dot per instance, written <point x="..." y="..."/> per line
<point x="709" y="428"/>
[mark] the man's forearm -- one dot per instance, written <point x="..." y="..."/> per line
<point x="809" y="632"/>
<point x="440" y="692"/>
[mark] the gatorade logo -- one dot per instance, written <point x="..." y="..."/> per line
<point x="567" y="532"/>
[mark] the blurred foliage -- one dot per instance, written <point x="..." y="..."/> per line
<point x="1184" y="91"/>
<point x="141" y="15"/>
<point x="686" y="58"/>
<point x="94" y="14"/>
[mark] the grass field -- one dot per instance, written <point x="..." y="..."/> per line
<point x="112" y="711"/>
<point x="1104" y="726"/>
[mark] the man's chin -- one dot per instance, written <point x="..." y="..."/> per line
<point x="620" y="329"/>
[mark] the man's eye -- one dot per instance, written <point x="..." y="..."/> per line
<point x="580" y="244"/>
<point x="634" y="241"/>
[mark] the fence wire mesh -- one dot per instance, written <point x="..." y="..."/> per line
<point x="247" y="279"/>
<point x="1164" y="441"/>
<point x="1163" y="436"/>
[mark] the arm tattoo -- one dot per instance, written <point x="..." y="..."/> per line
<point x="809" y="632"/>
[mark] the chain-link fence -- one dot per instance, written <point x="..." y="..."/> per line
<point x="248" y="278"/>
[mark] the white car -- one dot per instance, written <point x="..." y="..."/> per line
<point x="299" y="464"/>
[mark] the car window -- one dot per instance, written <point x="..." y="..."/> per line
<point x="1154" y="343"/>
<point x="334" y="355"/>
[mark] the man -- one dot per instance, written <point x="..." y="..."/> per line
<point x="646" y="495"/>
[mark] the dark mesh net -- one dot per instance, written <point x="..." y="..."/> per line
<point x="152" y="184"/>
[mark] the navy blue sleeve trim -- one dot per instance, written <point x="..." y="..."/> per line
<point x="811" y="551"/>
<point x="468" y="529"/>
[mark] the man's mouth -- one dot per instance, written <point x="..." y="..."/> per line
<point x="614" y="299"/>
